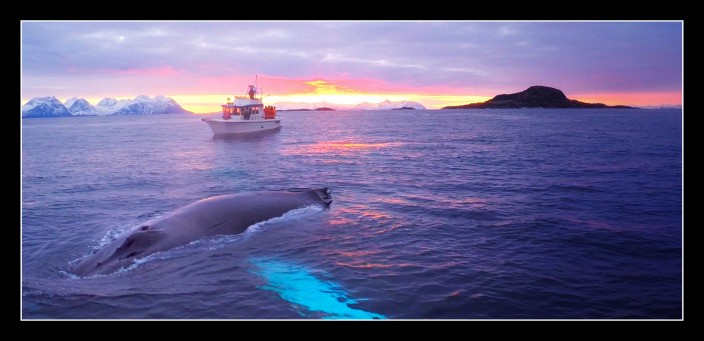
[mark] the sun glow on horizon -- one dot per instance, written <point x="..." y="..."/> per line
<point x="321" y="91"/>
<point x="326" y="92"/>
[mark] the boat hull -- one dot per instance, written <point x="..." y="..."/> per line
<point x="233" y="127"/>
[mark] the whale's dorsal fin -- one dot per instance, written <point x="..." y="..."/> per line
<point x="324" y="194"/>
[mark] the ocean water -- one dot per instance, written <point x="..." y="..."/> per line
<point x="474" y="214"/>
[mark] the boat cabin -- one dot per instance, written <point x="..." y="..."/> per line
<point x="248" y="107"/>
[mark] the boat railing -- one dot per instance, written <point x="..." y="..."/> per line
<point x="211" y="116"/>
<point x="256" y="115"/>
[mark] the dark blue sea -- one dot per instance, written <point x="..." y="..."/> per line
<point x="459" y="214"/>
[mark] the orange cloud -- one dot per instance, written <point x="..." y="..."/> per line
<point x="324" y="88"/>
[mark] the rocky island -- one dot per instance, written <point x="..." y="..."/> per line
<point x="534" y="97"/>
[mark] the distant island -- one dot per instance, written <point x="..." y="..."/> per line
<point x="404" y="108"/>
<point x="536" y="96"/>
<point x="140" y="105"/>
<point x="316" y="109"/>
<point x="317" y="106"/>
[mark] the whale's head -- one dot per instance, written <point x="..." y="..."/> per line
<point x="120" y="252"/>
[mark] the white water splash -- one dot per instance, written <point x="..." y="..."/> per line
<point x="290" y="216"/>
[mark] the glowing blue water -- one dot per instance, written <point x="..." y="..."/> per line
<point x="296" y="284"/>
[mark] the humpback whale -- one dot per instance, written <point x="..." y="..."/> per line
<point x="219" y="215"/>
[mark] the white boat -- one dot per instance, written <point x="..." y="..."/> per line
<point x="246" y="114"/>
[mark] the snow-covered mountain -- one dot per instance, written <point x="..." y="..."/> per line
<point x="79" y="107"/>
<point x="307" y="106"/>
<point x="388" y="105"/>
<point x="140" y="105"/>
<point x="385" y="105"/>
<point x="108" y="105"/>
<point x="44" y="107"/>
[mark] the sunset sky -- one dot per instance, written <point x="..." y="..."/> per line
<point x="434" y="63"/>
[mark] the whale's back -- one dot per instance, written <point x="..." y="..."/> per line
<point x="218" y="215"/>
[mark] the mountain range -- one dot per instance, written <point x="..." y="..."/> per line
<point x="140" y="105"/>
